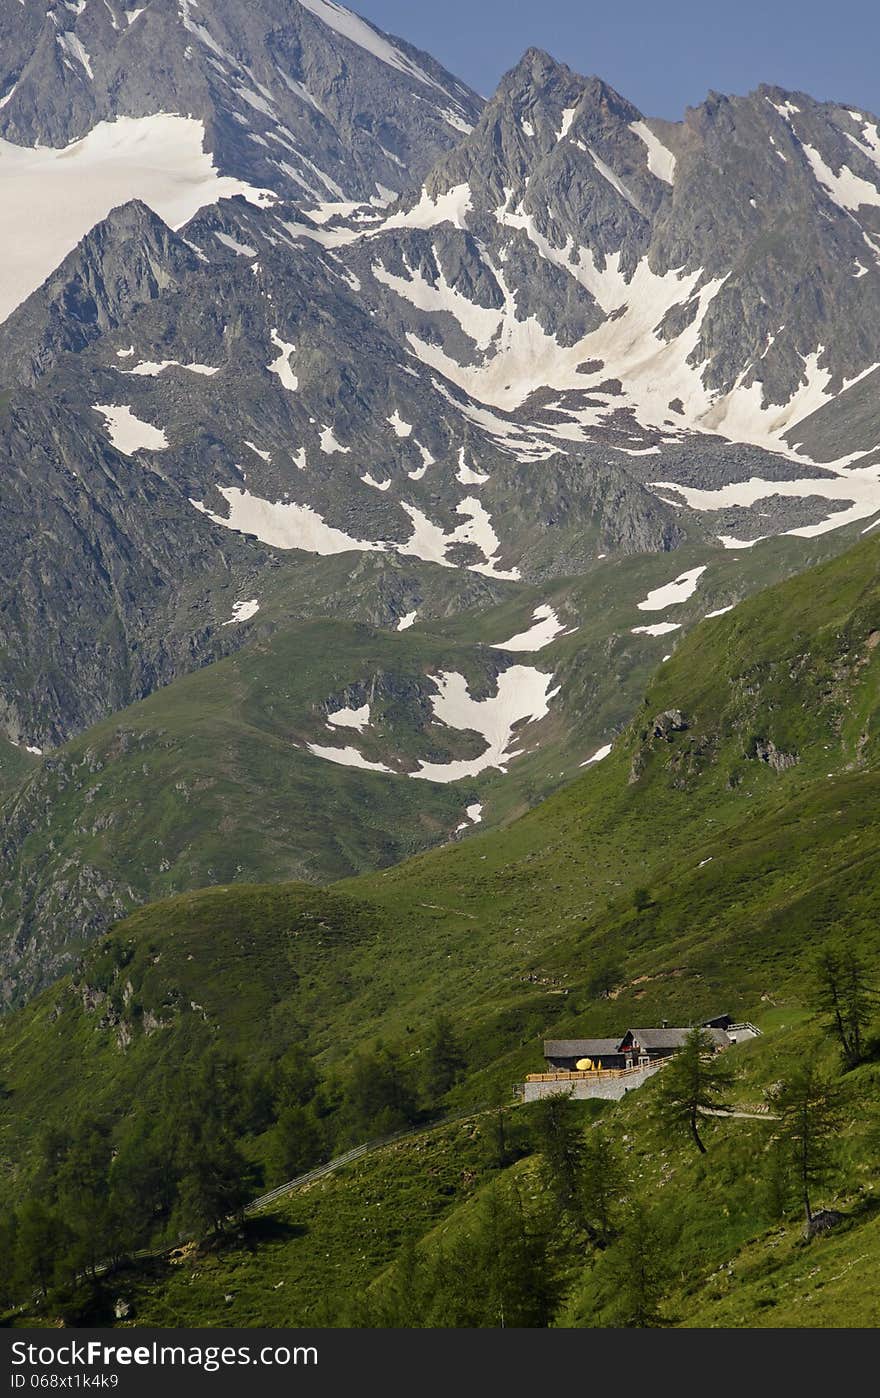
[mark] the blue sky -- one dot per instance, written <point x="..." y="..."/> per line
<point x="662" y="56"/>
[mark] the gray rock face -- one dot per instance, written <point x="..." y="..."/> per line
<point x="750" y="194"/>
<point x="765" y="750"/>
<point x="301" y="96"/>
<point x="126" y="261"/>
<point x="665" y="724"/>
<point x="107" y="551"/>
<point x="721" y="274"/>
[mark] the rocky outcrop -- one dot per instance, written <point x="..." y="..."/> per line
<point x="765" y="750"/>
<point x="125" y="262"/>
<point x="670" y="722"/>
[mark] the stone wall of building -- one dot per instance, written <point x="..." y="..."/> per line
<point x="610" y="1087"/>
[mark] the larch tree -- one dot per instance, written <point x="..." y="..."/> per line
<point x="808" y="1107"/>
<point x="692" y="1083"/>
<point x="559" y="1136"/>
<point x="846" y="995"/>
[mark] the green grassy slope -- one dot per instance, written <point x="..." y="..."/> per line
<point x="743" y="864"/>
<point x="210" y="780"/>
<point x="15" y="764"/>
<point x="749" y="823"/>
<point x="333" y="1252"/>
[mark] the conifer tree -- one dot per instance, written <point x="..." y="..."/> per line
<point x="636" y="1271"/>
<point x="602" y="1181"/>
<point x="559" y="1136"/>
<point x="41" y="1240"/>
<point x="692" y="1082"/>
<point x="444" y="1059"/>
<point x="846" y="995"/>
<point x="808" y="1107"/>
<point x="297" y="1143"/>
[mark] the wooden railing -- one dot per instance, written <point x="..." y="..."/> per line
<point x="591" y="1074"/>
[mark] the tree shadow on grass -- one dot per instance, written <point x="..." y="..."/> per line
<point x="270" y="1228"/>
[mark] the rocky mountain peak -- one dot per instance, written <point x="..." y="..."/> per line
<point x="127" y="260"/>
<point x="301" y="96"/>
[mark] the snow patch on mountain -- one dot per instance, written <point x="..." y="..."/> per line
<point x="348" y="757"/>
<point x="608" y="174"/>
<point x="660" y="628"/>
<point x="127" y="432"/>
<point x="857" y="489"/>
<point x="281" y="365"/>
<point x="474" y="815"/>
<point x="58" y="195"/>
<point x="479" y="323"/>
<point x="661" y="161"/>
<point x="282" y="524"/>
<point x="357" y="31"/>
<point x="568" y="117"/>
<point x="477" y="529"/>
<point x="399" y="426"/>
<point x="674" y="593"/>
<point x="286" y="525"/>
<point x="848" y="190"/>
<point x="72" y="47"/>
<point x="151" y="369"/>
<point x="456" y="121"/>
<point x="242" y="249"/>
<point x="329" y="444"/>
<point x="351" y="718"/>
<point x="451" y="207"/>
<point x="264" y="455"/>
<point x="523" y="696"/>
<point x="465" y="474"/>
<point x="243" y="611"/>
<point x="546" y="627"/>
<point x="598" y="756"/>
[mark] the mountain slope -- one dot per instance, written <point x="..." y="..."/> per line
<point x="291" y="420"/>
<point x="723" y="809"/>
<point x="347" y="108"/>
<point x="578" y="342"/>
<point x="731" y="1257"/>
<point x="127" y="260"/>
<point x="748" y="813"/>
<point x="629" y="284"/>
<point x="332" y="746"/>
